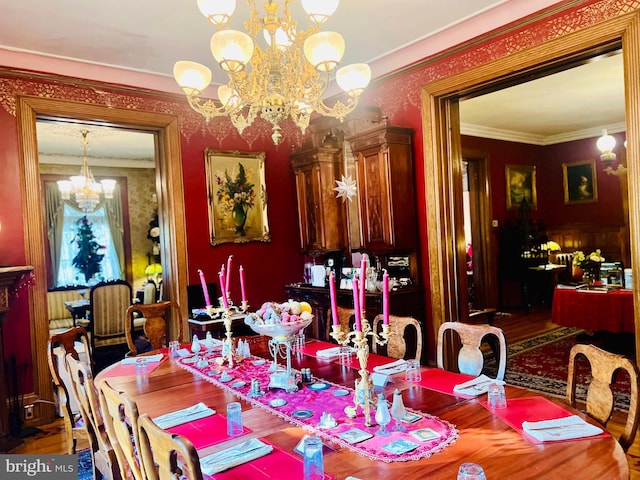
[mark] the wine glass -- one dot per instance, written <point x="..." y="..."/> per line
<point x="383" y="418"/>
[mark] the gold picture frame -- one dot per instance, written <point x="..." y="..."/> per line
<point x="237" y="196"/>
<point x="520" y="186"/>
<point x="580" y="182"/>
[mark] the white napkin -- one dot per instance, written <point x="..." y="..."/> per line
<point x="330" y="352"/>
<point x="560" y="429"/>
<point x="189" y="414"/>
<point x="476" y="386"/>
<point x="234" y="456"/>
<point x="148" y="358"/>
<point x="391" y="368"/>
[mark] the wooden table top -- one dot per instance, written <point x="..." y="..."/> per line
<point x="484" y="438"/>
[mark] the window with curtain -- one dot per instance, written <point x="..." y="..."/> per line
<point x="110" y="265"/>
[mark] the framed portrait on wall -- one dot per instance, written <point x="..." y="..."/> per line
<point x="580" y="182"/>
<point x="237" y="196"/>
<point x="521" y="186"/>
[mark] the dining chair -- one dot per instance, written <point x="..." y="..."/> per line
<point x="104" y="461"/>
<point x="346" y="319"/>
<point x="600" y="396"/>
<point x="120" y="413"/>
<point x="396" y="346"/>
<point x="154" y="326"/>
<point x="470" y="356"/>
<point x="109" y="301"/>
<point x="166" y="456"/>
<point x="72" y="341"/>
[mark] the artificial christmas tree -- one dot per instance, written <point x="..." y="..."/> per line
<point x="87" y="259"/>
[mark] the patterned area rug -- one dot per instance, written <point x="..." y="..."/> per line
<point x="85" y="469"/>
<point x="541" y="363"/>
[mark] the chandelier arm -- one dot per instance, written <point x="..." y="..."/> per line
<point x="208" y="109"/>
<point x="339" y="110"/>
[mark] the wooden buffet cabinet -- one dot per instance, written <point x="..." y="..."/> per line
<point x="386" y="197"/>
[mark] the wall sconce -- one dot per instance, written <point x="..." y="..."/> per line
<point x="606" y="143"/>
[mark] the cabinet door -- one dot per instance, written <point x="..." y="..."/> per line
<point x="375" y="217"/>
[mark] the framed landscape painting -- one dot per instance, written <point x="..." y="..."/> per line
<point x="580" y="182"/>
<point x="521" y="186"/>
<point x="237" y="196"/>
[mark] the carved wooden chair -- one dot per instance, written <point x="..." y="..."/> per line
<point x="109" y="301"/>
<point x="166" y="456"/>
<point x="600" y="398"/>
<point x="470" y="357"/>
<point x="105" y="464"/>
<point x="120" y="413"/>
<point x="154" y="326"/>
<point x="397" y="345"/>
<point x="59" y="345"/>
<point x="345" y="319"/>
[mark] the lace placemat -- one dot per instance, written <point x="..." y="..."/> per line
<point x="425" y="434"/>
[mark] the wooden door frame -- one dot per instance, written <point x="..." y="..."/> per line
<point x="442" y="151"/>
<point x="170" y="191"/>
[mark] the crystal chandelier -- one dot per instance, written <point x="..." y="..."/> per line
<point x="84" y="187"/>
<point x="285" y="78"/>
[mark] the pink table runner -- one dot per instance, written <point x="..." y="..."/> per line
<point x="278" y="464"/>
<point x="443" y="381"/>
<point x="533" y="409"/>
<point x="121" y="370"/>
<point x="305" y="407"/>
<point x="206" y="431"/>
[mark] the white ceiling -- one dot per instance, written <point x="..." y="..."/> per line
<point x="135" y="37"/>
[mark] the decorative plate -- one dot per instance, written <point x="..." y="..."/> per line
<point x="190" y="360"/>
<point x="319" y="386"/>
<point x="225" y="380"/>
<point x="341" y="392"/>
<point x="214" y="372"/>
<point x="278" y="402"/>
<point x="259" y="362"/>
<point x="238" y="384"/>
<point x="302" y="413"/>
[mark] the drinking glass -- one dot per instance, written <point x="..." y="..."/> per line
<point x="313" y="461"/>
<point x="234" y="419"/>
<point x="471" y="471"/>
<point x="412" y="373"/>
<point x="174" y="346"/>
<point x="496" y="397"/>
<point x="141" y="366"/>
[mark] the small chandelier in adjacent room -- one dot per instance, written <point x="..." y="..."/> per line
<point x="84" y="187"/>
<point x="606" y="143"/>
<point x="286" y="78"/>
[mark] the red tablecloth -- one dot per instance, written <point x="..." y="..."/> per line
<point x="611" y="311"/>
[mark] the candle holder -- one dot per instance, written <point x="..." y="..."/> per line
<point x="363" y="398"/>
<point x="228" y="350"/>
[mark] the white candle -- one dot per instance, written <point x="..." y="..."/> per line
<point x="205" y="290"/>
<point x="332" y="295"/>
<point x="356" y="305"/>
<point x="385" y="298"/>
<point x="223" y="290"/>
<point x="242" y="290"/>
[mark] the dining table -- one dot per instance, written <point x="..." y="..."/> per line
<point x="470" y="431"/>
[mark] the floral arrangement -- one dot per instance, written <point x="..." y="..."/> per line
<point x="589" y="262"/>
<point x="236" y="195"/>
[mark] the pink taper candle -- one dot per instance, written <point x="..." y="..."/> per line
<point x="242" y="290"/>
<point x="363" y="280"/>
<point x="223" y="290"/>
<point x="332" y="295"/>
<point x="385" y="298"/>
<point x="356" y="305"/>
<point x="228" y="280"/>
<point x="205" y="290"/>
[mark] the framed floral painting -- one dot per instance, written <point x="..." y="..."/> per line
<point x="237" y="196"/>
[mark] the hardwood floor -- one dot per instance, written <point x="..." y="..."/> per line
<point x="516" y="326"/>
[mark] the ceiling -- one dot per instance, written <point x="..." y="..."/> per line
<point x="140" y="39"/>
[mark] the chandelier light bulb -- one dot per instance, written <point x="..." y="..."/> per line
<point x="232" y="49"/>
<point x="319" y="11"/>
<point x="192" y="77"/>
<point x="606" y="143"/>
<point x="218" y="12"/>
<point x="354" y="78"/>
<point x="324" y="50"/>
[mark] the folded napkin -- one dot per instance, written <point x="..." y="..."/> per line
<point x="148" y="358"/>
<point x="476" y="386"/>
<point x="189" y="414"/>
<point x="391" y="368"/>
<point x="330" y="352"/>
<point x="564" y="428"/>
<point x="234" y="456"/>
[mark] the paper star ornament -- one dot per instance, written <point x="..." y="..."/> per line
<point x="346" y="188"/>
